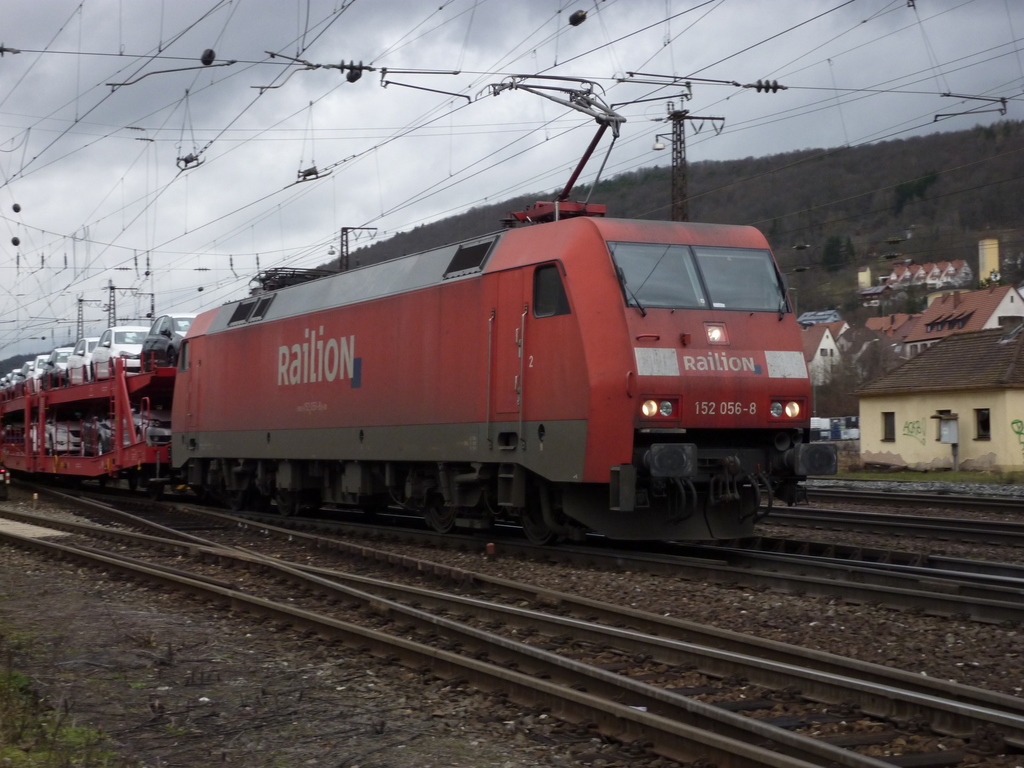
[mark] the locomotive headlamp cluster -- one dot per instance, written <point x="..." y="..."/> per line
<point x="652" y="408"/>
<point x="790" y="410"/>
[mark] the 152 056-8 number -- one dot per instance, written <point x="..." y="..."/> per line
<point x="724" y="408"/>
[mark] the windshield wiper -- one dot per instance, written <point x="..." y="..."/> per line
<point x="622" y="282"/>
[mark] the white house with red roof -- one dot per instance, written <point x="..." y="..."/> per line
<point x="933" y="275"/>
<point x="821" y="353"/>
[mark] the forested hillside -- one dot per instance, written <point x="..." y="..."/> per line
<point x="929" y="198"/>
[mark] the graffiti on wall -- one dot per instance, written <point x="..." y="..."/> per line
<point x="1018" y="429"/>
<point x="914" y="429"/>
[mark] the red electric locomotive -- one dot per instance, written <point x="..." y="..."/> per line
<point x="640" y="379"/>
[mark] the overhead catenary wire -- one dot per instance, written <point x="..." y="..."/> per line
<point x="216" y="230"/>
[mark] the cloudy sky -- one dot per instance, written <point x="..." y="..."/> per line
<point x="124" y="155"/>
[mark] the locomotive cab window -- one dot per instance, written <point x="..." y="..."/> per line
<point x="549" y="297"/>
<point x="741" y="278"/>
<point x="656" y="275"/>
<point x="698" y="277"/>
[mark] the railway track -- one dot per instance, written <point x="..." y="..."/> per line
<point x="663" y="680"/>
<point x="985" y="592"/>
<point x="994" y="532"/>
<point x="898" y="498"/>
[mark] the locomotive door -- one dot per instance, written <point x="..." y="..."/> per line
<point x="509" y="324"/>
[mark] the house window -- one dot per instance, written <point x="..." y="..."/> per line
<point x="982" y="425"/>
<point x="938" y="422"/>
<point x="888" y="426"/>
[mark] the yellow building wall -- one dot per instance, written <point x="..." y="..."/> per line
<point x="916" y="442"/>
<point x="864" y="277"/>
<point x="988" y="257"/>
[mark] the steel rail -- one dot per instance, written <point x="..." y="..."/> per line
<point x="899" y="498"/>
<point x="945" y="528"/>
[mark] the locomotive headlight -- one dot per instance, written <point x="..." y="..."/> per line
<point x="716" y="333"/>
<point x="791" y="409"/>
<point x="657" y="408"/>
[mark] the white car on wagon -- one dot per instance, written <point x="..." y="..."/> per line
<point x="123" y="341"/>
<point x="80" y="360"/>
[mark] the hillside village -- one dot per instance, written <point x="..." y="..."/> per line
<point x="935" y="389"/>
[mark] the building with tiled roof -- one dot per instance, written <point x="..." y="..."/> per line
<point x="895" y="326"/>
<point x="967" y="388"/>
<point x="873" y="295"/>
<point x="838" y="328"/>
<point x="934" y="275"/>
<point x="999" y="306"/>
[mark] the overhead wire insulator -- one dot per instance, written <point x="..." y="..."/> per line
<point x="768" y="86"/>
<point x="208" y="57"/>
<point x="189" y="161"/>
<point x="355" y="71"/>
<point x="577" y="18"/>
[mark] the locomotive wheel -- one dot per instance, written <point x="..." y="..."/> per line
<point x="536" y="530"/>
<point x="248" y="498"/>
<point x="439" y="516"/>
<point x="237" y="500"/>
<point x="287" y="503"/>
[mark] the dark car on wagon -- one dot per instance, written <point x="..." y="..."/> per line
<point x="161" y="345"/>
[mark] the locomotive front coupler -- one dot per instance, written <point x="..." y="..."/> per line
<point x="724" y="486"/>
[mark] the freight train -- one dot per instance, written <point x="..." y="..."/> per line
<point x="571" y="374"/>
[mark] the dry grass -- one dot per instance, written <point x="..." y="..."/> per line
<point x="34" y="733"/>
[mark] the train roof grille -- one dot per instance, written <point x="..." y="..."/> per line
<point x="469" y="257"/>
<point x="251" y="310"/>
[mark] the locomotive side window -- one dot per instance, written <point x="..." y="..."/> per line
<point x="549" y="297"/>
<point x="740" y="278"/>
<point x="655" y="275"/>
<point x="183" y="356"/>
